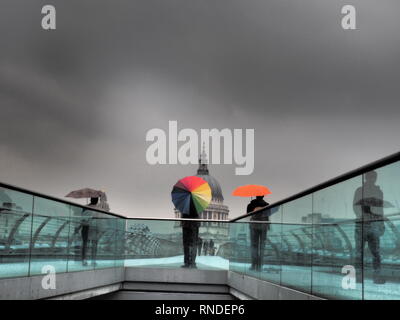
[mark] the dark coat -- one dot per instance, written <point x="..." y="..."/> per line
<point x="260" y="216"/>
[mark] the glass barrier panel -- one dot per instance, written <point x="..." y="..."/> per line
<point x="162" y="243"/>
<point x="380" y="234"/>
<point x="271" y="250"/>
<point x="239" y="246"/>
<point x="104" y="240"/>
<point x="15" y="233"/>
<point x="297" y="244"/>
<point x="334" y="265"/>
<point x="49" y="246"/>
<point x="82" y="224"/>
<point x="213" y="247"/>
<point x="120" y="238"/>
<point x="255" y="239"/>
<point x="260" y="257"/>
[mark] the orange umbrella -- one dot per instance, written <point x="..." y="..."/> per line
<point x="251" y="190"/>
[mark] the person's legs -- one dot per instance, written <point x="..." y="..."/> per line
<point x="185" y="240"/>
<point x="94" y="251"/>
<point x="189" y="243"/>
<point x="373" y="245"/>
<point x="262" y="237"/>
<point x="254" y="247"/>
<point x="374" y="248"/>
<point x="359" y="248"/>
<point x="84" y="234"/>
<point x="257" y="248"/>
<point x="195" y="237"/>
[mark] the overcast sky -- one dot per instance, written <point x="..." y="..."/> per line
<point x="76" y="102"/>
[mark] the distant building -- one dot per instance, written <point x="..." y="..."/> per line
<point x="10" y="214"/>
<point x="316" y="218"/>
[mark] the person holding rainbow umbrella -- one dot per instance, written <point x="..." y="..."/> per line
<point x="190" y="196"/>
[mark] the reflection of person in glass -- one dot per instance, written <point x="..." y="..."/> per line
<point x="205" y="247"/>
<point x="258" y="232"/>
<point x="368" y="207"/>
<point x="89" y="234"/>
<point x="199" y="245"/>
<point x="211" y="248"/>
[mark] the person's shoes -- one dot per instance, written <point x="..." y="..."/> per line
<point x="378" y="279"/>
<point x="185" y="266"/>
<point x="193" y="266"/>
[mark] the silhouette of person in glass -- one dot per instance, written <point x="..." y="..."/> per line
<point x="258" y="232"/>
<point x="199" y="246"/>
<point x="205" y="248"/>
<point x="370" y="226"/>
<point x="89" y="234"/>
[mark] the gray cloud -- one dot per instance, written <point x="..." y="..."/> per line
<point x="76" y="103"/>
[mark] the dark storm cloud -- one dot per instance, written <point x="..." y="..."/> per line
<point x="41" y="112"/>
<point x="80" y="99"/>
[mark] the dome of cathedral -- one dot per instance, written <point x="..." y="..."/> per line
<point x="216" y="190"/>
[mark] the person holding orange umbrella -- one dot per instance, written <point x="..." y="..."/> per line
<point x="258" y="231"/>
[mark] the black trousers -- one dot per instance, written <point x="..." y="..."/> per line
<point x="258" y="234"/>
<point x="85" y="236"/>
<point x="199" y="247"/>
<point x="190" y="236"/>
<point x="85" y="242"/>
<point x="369" y="235"/>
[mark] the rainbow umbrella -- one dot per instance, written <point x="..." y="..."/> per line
<point x="191" y="196"/>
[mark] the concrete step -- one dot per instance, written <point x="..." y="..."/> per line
<point x="148" y="295"/>
<point x="176" y="287"/>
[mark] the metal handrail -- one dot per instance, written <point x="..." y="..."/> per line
<point x="177" y="219"/>
<point x="45" y="196"/>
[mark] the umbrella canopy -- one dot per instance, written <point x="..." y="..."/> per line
<point x="85" y="193"/>
<point x="374" y="202"/>
<point x="251" y="190"/>
<point x="191" y="196"/>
